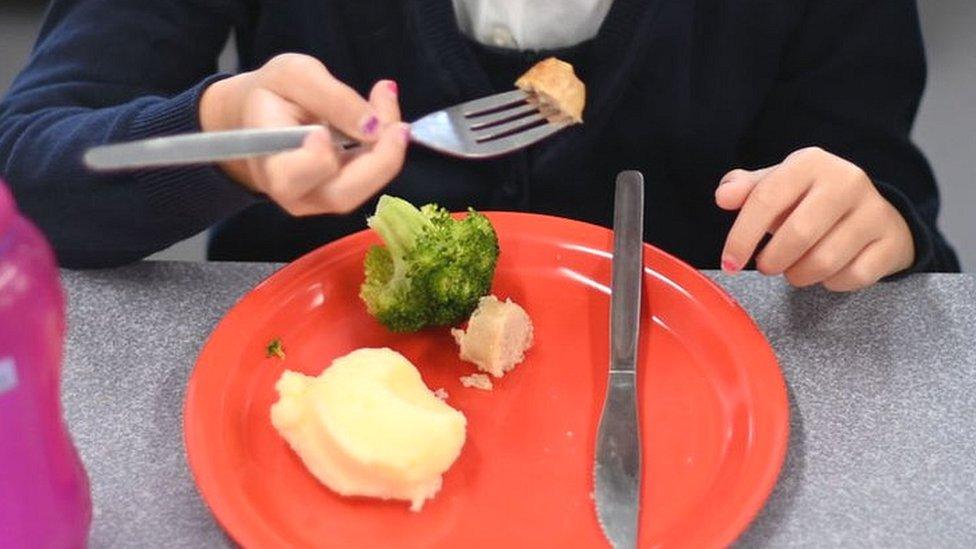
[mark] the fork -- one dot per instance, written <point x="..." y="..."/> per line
<point x="483" y="128"/>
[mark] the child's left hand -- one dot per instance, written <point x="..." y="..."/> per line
<point x="829" y="223"/>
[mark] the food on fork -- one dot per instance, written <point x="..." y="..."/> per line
<point x="368" y="426"/>
<point x="498" y="334"/>
<point x="431" y="269"/>
<point x="555" y="85"/>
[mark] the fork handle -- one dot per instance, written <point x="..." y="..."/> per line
<point x="198" y="148"/>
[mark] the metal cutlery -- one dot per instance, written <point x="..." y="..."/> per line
<point x="483" y="128"/>
<point x="617" y="469"/>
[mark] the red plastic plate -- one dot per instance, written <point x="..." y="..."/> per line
<point x="713" y="405"/>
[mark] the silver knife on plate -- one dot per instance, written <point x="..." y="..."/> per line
<point x="617" y="467"/>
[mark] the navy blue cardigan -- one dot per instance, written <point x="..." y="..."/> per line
<point x="681" y="90"/>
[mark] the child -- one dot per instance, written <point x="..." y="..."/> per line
<point x="788" y="118"/>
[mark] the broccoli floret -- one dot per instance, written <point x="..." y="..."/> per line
<point x="432" y="268"/>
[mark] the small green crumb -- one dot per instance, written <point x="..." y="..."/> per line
<point x="275" y="349"/>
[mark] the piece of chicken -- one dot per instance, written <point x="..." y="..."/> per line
<point x="498" y="334"/>
<point x="555" y="85"/>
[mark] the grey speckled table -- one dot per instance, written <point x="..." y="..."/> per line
<point x="882" y="387"/>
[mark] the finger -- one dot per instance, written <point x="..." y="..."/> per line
<point x="366" y="174"/>
<point x="736" y="185"/>
<point x="384" y="98"/>
<point x="305" y="81"/>
<point x="770" y="199"/>
<point x="870" y="266"/>
<point x="293" y="174"/>
<point x="266" y="109"/>
<point x="851" y="235"/>
<point x="288" y="175"/>
<point x="817" y="212"/>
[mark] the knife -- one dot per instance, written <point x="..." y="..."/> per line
<point x="617" y="468"/>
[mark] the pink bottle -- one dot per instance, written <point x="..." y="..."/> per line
<point x="44" y="499"/>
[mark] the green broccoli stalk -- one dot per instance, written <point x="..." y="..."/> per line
<point x="431" y="270"/>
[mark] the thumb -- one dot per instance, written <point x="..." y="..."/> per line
<point x="736" y="185"/>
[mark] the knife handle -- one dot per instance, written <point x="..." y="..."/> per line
<point x="198" y="148"/>
<point x="628" y="267"/>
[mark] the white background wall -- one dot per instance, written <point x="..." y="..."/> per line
<point x="946" y="127"/>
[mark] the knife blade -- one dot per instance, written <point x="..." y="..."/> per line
<point x="617" y="467"/>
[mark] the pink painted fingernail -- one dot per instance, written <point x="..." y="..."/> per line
<point x="371" y="125"/>
<point x="393" y="87"/>
<point x="730" y="265"/>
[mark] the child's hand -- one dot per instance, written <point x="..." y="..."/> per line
<point x="829" y="223"/>
<point x="292" y="90"/>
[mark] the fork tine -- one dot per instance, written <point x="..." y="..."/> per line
<point x="501" y="130"/>
<point x="492" y="103"/>
<point x="503" y="117"/>
<point x="515" y="141"/>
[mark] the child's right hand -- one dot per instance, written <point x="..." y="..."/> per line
<point x="292" y="90"/>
